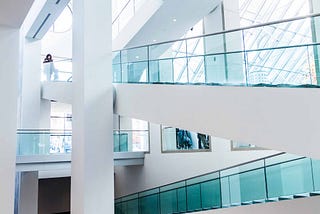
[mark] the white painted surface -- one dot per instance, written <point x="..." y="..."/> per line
<point x="13" y="12"/>
<point x="213" y="22"/>
<point x="57" y="91"/>
<point x="305" y="206"/>
<point x="9" y="70"/>
<point x="164" y="168"/>
<point x="161" y="27"/>
<point x="28" y="203"/>
<point x="92" y="185"/>
<point x="30" y="94"/>
<point x="231" y="14"/>
<point x="283" y="119"/>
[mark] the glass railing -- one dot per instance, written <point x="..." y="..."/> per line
<point x="275" y="178"/>
<point x="122" y="17"/>
<point x="131" y="140"/>
<point x="48" y="141"/>
<point x="283" y="54"/>
<point x="43" y="142"/>
<point x="52" y="72"/>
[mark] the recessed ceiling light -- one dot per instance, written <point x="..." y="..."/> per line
<point x="174" y="19"/>
<point x="137" y="57"/>
<point x="154" y="40"/>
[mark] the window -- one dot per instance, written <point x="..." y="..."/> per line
<point x="180" y="140"/>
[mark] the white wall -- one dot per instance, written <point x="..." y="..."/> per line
<point x="163" y="168"/>
<point x="305" y="206"/>
<point x="283" y="119"/>
<point x="9" y="70"/>
<point x="33" y="109"/>
<point x="57" y="91"/>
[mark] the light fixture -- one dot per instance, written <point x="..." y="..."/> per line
<point x="174" y="19"/>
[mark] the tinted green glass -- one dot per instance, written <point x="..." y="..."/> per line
<point x="214" y="44"/>
<point x="33" y="143"/>
<point x="193" y="197"/>
<point x="180" y="70"/>
<point x="235" y="68"/>
<point x="134" y="55"/>
<point x="124" y="207"/>
<point x="167" y="50"/>
<point x="210" y="194"/>
<point x="274" y="66"/>
<point x="135" y="72"/>
<point x="289" y="178"/>
<point x="161" y="70"/>
<point x="196" y="69"/>
<point x="168" y="202"/>
<point x="195" y="46"/>
<point x="215" y="69"/>
<point x="117" y="75"/>
<point x="116" y="57"/>
<point x="149" y="204"/>
<point x="316" y="174"/>
<point x="118" y="209"/>
<point x="235" y="190"/>
<point x="252" y="185"/>
<point x="133" y="207"/>
<point x="225" y="191"/>
<point x="120" y="142"/>
<point x="182" y="199"/>
<point x="276" y="35"/>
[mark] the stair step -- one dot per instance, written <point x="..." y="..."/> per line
<point x="314" y="193"/>
<point x="259" y="201"/>
<point x="272" y="199"/>
<point x="246" y="203"/>
<point x="282" y="198"/>
<point x="304" y="195"/>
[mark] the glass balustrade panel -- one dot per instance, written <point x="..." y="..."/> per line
<point x="168" y="201"/>
<point x="289" y="178"/>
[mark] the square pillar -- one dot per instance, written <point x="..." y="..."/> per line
<point x="92" y="188"/>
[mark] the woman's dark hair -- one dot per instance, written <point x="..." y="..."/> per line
<point x="48" y="58"/>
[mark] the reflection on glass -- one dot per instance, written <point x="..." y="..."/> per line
<point x="131" y="141"/>
<point x="281" y="54"/>
<point x="130" y="135"/>
<point x="174" y="139"/>
<point x="271" y="179"/>
<point x="43" y="142"/>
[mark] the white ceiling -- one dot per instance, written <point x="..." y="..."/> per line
<point x="13" y="12"/>
<point x="161" y="27"/>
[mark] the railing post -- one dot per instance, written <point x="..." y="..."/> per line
<point x="265" y="178"/>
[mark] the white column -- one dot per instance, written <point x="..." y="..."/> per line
<point x="35" y="112"/>
<point x="9" y="71"/>
<point x="30" y="104"/>
<point x="28" y="203"/>
<point x="92" y="188"/>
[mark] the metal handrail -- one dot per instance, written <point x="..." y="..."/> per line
<point x="227" y="31"/>
<point x="216" y="171"/>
